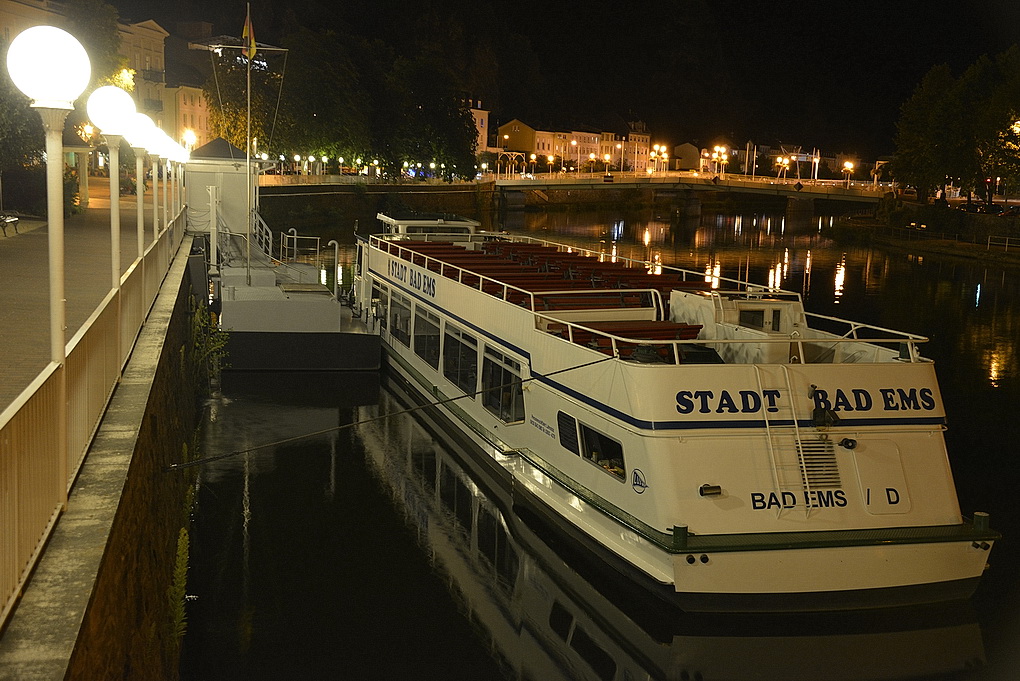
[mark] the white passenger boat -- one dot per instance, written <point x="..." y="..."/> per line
<point x="719" y="445"/>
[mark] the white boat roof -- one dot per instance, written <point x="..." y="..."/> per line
<point x="439" y="222"/>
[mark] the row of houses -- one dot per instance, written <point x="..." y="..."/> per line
<point x="635" y="149"/>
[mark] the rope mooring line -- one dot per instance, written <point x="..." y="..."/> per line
<point x="219" y="457"/>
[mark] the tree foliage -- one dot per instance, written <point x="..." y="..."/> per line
<point x="226" y="94"/>
<point x="21" y="131"/>
<point x="344" y="96"/>
<point x="94" y="23"/>
<point x="962" y="130"/>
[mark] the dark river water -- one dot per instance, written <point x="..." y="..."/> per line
<point x="373" y="550"/>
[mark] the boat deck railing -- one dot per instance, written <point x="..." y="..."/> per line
<point x="683" y="343"/>
<point x="815" y="344"/>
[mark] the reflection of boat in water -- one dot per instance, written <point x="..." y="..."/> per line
<point x="709" y="439"/>
<point x="544" y="620"/>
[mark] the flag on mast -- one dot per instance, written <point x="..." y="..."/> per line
<point x="248" y="35"/>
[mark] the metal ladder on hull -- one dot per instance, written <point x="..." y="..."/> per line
<point x="784" y="442"/>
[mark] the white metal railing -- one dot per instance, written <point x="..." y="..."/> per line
<point x="34" y="479"/>
<point x="904" y="345"/>
<point x="672" y="351"/>
<point x="1004" y="241"/>
<point x="304" y="248"/>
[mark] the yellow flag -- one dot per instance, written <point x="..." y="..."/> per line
<point x="248" y="36"/>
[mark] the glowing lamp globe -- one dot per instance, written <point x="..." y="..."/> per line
<point x="50" y="66"/>
<point x="141" y="131"/>
<point x="111" y="109"/>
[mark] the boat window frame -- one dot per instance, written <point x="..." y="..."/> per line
<point x="422" y="346"/>
<point x="400" y="331"/>
<point x="600" y="452"/>
<point x="509" y="383"/>
<point x="380" y="303"/>
<point x="454" y="334"/>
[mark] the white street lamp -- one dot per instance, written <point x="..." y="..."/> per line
<point x="52" y="69"/>
<point x="138" y="137"/>
<point x="848" y="170"/>
<point x="112" y="111"/>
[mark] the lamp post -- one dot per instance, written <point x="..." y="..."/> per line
<point x="52" y="69"/>
<point x="606" y="158"/>
<point x="549" y="159"/>
<point x="138" y="138"/>
<point x="848" y="170"/>
<point x="720" y="157"/>
<point x="782" y="165"/>
<point x="533" y="157"/>
<point x="112" y="110"/>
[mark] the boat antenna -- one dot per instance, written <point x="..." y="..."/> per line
<point x="521" y="381"/>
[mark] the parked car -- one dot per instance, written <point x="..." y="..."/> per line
<point x="1010" y="212"/>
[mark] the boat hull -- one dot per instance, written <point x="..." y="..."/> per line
<point x="783" y="579"/>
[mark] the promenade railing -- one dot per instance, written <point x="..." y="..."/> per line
<point x="34" y="478"/>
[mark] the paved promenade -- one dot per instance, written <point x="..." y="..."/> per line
<point x="24" y="280"/>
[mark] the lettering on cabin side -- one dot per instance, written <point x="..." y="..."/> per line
<point x="814" y="498"/>
<point x="889" y="399"/>
<point x="413" y="278"/>
<point x="855" y="399"/>
<point x="724" y="402"/>
<point x="542" y="426"/>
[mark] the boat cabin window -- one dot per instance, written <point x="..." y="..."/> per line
<point x="380" y="303"/>
<point x="763" y="319"/>
<point x="460" y="359"/>
<point x="602" y="450"/>
<point x="400" y="316"/>
<point x="426" y="336"/>
<point x="501" y="382"/>
<point x="568" y="432"/>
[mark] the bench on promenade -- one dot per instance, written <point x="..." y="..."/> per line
<point x="8" y="220"/>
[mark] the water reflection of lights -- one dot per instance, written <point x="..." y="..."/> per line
<point x="977" y="296"/>
<point x="647" y="237"/>
<point x="618" y="230"/>
<point x="840" y="278"/>
<point x="712" y="273"/>
<point x="1001" y="361"/>
<point x="994" y="370"/>
<point x="779" y="271"/>
<point x="738" y="225"/>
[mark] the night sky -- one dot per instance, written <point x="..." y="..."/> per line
<point x="818" y="74"/>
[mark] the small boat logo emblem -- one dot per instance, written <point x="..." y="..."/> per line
<point x="638" y="481"/>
